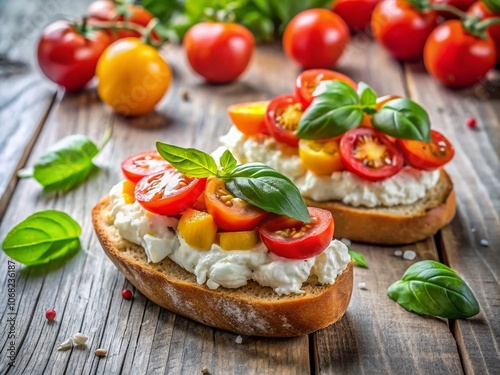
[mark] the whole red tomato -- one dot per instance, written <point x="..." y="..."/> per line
<point x="109" y="11"/>
<point x="481" y="11"/>
<point x="219" y="52"/>
<point x="455" y="57"/>
<point x="401" y="28"/>
<point x="356" y="13"/>
<point x="315" y="38"/>
<point x="67" y="57"/>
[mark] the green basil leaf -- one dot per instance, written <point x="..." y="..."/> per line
<point x="42" y="237"/>
<point x="367" y="97"/>
<point x="432" y="288"/>
<point x="66" y="164"/>
<point x="358" y="258"/>
<point x="190" y="161"/>
<point x="403" y="118"/>
<point x="268" y="189"/>
<point x="334" y="110"/>
<point x="228" y="161"/>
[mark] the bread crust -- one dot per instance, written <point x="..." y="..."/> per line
<point x="251" y="310"/>
<point x="394" y="225"/>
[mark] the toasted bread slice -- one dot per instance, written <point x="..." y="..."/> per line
<point x="250" y="310"/>
<point x="401" y="224"/>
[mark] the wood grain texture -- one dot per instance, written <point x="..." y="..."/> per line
<point x="475" y="171"/>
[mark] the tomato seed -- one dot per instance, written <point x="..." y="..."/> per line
<point x="50" y="314"/>
<point x="127" y="294"/>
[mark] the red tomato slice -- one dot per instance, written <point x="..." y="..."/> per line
<point x="308" y="80"/>
<point x="143" y="164"/>
<point x="427" y="156"/>
<point x="282" y="118"/>
<point x="248" y="117"/>
<point x="290" y="238"/>
<point x="230" y="213"/>
<point x="370" y="154"/>
<point x="168" y="192"/>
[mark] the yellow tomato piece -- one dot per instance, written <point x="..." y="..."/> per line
<point x="243" y="240"/>
<point x="321" y="157"/>
<point x="128" y="191"/>
<point x="367" y="119"/>
<point x="132" y="77"/>
<point x="248" y="117"/>
<point x="197" y="228"/>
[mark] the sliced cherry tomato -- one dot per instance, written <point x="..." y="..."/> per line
<point x="321" y="157"/>
<point x="143" y="164"/>
<point x="168" y="192"/>
<point x="315" y="38"/>
<point x="230" y="213"/>
<point x="450" y="43"/>
<point x="401" y="28"/>
<point x="290" y="238"/>
<point x="356" y="13"/>
<point x="282" y="118"/>
<point x="369" y="154"/>
<point x="248" y="117"/>
<point x="427" y="156"/>
<point x="308" y="80"/>
<point x="69" y="57"/>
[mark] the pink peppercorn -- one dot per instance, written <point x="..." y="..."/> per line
<point x="472" y="122"/>
<point x="50" y="314"/>
<point x="127" y="294"/>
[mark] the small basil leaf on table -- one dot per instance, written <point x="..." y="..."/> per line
<point x="358" y="258"/>
<point x="403" y="118"/>
<point x="431" y="288"/>
<point x="190" y="161"/>
<point x="228" y="161"/>
<point x="334" y="110"/>
<point x="65" y="165"/>
<point x="268" y="189"/>
<point x="42" y="237"/>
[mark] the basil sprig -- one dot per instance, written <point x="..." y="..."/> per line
<point x="431" y="288"/>
<point x="43" y="237"/>
<point x="337" y="108"/>
<point x="255" y="183"/>
<point x="358" y="258"/>
<point x="66" y="164"/>
<point x="402" y="118"/>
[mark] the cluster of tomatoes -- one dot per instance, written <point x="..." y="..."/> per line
<point x="208" y="213"/>
<point x="363" y="150"/>
<point x="457" y="52"/>
<point x="110" y="42"/>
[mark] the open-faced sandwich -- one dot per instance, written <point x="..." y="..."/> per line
<point x="373" y="162"/>
<point x="231" y="246"/>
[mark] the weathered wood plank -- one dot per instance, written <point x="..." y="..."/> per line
<point x="376" y="335"/>
<point x="475" y="171"/>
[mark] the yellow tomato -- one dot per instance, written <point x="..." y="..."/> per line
<point x="248" y="117"/>
<point x="133" y="77"/>
<point x="367" y="119"/>
<point x="321" y="157"/>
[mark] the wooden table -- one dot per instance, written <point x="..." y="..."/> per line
<point x="376" y="336"/>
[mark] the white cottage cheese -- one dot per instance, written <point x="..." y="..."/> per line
<point x="217" y="267"/>
<point x="406" y="187"/>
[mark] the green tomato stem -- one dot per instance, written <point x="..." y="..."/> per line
<point x="485" y="24"/>
<point x="448" y="8"/>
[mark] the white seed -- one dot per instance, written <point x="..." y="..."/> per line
<point x="484" y="243"/>
<point x="346" y="241"/>
<point x="398" y="253"/>
<point x="65" y="345"/>
<point x="362" y="286"/>
<point x="101" y="352"/>
<point x="80" y="338"/>
<point x="409" y="255"/>
<point x="239" y="339"/>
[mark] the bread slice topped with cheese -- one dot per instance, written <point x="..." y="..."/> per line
<point x="374" y="163"/>
<point x="230" y="246"/>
